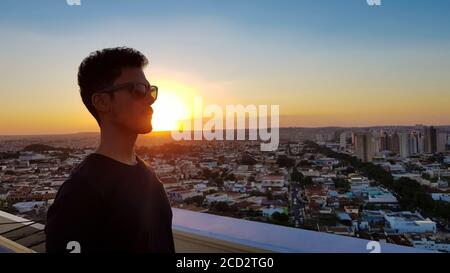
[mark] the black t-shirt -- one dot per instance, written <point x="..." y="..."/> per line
<point x="109" y="206"/>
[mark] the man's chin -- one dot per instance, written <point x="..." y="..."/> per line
<point x="146" y="130"/>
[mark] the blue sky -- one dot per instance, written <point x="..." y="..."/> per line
<point x="408" y="18"/>
<point x="325" y="62"/>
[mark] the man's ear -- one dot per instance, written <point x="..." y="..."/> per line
<point x="101" y="102"/>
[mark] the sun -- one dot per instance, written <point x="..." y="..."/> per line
<point x="171" y="107"/>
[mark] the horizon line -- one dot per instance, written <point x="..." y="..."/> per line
<point x="282" y="127"/>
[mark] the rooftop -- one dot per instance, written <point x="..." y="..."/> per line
<point x="18" y="234"/>
<point x="249" y="236"/>
<point x="201" y="232"/>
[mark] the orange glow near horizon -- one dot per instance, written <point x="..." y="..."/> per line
<point x="52" y="109"/>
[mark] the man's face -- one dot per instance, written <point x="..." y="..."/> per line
<point x="127" y="111"/>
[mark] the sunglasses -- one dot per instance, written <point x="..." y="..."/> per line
<point x="137" y="89"/>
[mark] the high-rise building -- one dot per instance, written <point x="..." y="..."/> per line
<point x="416" y="143"/>
<point x="384" y="141"/>
<point x="405" y="141"/>
<point x="430" y="139"/>
<point x="441" y="143"/>
<point x="413" y="144"/>
<point x="394" y="143"/>
<point x="337" y="135"/>
<point x="343" y="141"/>
<point x="365" y="146"/>
<point x="420" y="143"/>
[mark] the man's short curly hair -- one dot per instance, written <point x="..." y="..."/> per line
<point x="101" y="68"/>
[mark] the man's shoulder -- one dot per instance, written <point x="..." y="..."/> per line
<point x="83" y="175"/>
<point x="146" y="166"/>
<point x="149" y="169"/>
<point x="85" y="168"/>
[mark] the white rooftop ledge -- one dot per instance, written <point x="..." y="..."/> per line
<point x="202" y="232"/>
<point x="8" y="246"/>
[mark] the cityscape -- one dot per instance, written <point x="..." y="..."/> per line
<point x="387" y="184"/>
<point x="259" y="127"/>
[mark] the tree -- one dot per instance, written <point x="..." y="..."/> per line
<point x="206" y="173"/>
<point x="426" y="176"/>
<point x="257" y="193"/>
<point x="197" y="200"/>
<point x="296" y="176"/>
<point x="280" y="218"/>
<point x="307" y="181"/>
<point x="9" y="155"/>
<point x="303" y="163"/>
<point x="269" y="195"/>
<point x="231" y="177"/>
<point x="284" y="161"/>
<point x="247" y="159"/>
<point x="218" y="181"/>
<point x="10" y="172"/>
<point x="222" y="206"/>
<point x="341" y="183"/>
<point x="251" y="212"/>
<point x="39" y="148"/>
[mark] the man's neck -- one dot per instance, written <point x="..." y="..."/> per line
<point x="117" y="144"/>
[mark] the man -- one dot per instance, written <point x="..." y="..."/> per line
<point x="113" y="201"/>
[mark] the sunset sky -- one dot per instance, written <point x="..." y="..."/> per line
<point x="325" y="62"/>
